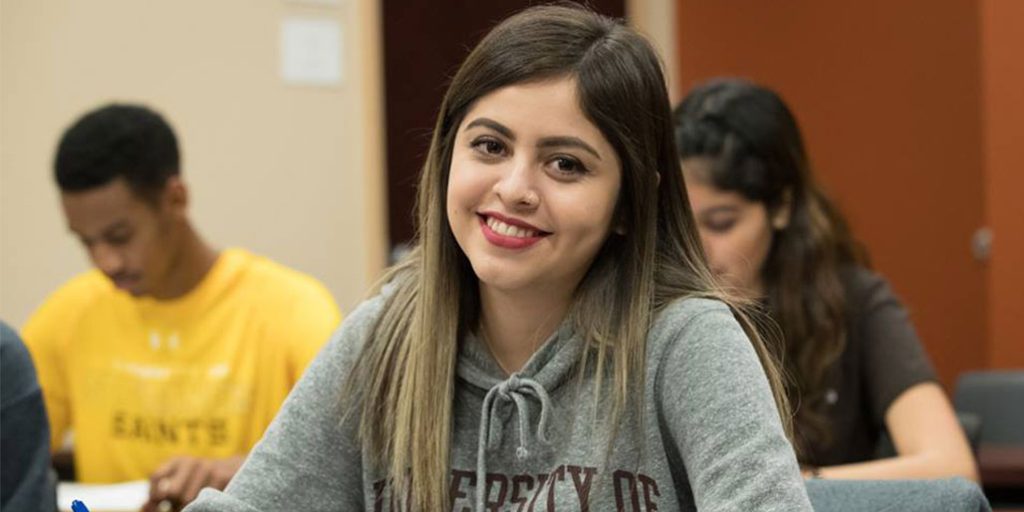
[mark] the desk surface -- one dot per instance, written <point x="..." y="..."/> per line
<point x="127" y="496"/>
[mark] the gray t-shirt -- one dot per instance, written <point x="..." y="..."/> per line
<point x="709" y="437"/>
<point x="882" y="359"/>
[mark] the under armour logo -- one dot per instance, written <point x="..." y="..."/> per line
<point x="156" y="342"/>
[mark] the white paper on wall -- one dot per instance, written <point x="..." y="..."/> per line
<point x="311" y="51"/>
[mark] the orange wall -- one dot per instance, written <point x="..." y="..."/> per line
<point x="888" y="96"/>
<point x="1003" y="123"/>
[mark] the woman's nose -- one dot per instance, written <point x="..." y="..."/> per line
<point x="517" y="188"/>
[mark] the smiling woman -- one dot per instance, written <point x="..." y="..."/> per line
<point x="555" y="338"/>
<point x="530" y="202"/>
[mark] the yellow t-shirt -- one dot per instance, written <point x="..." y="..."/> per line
<point x="140" y="380"/>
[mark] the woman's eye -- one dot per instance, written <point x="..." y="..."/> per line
<point x="489" y="146"/>
<point x="566" y="165"/>
<point x="719" y="225"/>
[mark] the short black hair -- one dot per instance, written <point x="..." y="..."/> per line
<point x="117" y="141"/>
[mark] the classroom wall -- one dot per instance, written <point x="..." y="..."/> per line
<point x="292" y="172"/>
<point x="888" y="95"/>
<point x="1003" y="119"/>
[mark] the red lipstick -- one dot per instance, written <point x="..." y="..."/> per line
<point x="509" y="241"/>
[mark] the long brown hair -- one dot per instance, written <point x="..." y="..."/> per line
<point x="404" y="380"/>
<point x="756" y="149"/>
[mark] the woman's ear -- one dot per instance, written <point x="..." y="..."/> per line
<point x="618" y="223"/>
<point x="783" y="211"/>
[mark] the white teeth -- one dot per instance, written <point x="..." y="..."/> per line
<point x="509" y="230"/>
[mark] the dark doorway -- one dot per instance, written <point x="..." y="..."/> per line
<point x="424" y="42"/>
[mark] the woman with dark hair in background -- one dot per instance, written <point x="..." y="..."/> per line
<point x="555" y="339"/>
<point x="772" y="235"/>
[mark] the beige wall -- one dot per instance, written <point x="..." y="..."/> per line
<point x="295" y="173"/>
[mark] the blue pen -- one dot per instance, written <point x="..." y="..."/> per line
<point x="78" y="506"/>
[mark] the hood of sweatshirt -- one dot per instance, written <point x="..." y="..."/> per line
<point x="515" y="397"/>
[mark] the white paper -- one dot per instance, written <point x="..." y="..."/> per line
<point x="311" y="51"/>
<point x="127" y="496"/>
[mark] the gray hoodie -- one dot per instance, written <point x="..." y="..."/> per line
<point x="709" y="437"/>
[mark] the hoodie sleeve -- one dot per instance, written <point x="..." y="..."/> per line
<point x="307" y="459"/>
<point x="717" y="404"/>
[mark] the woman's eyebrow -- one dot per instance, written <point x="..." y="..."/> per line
<point x="576" y="142"/>
<point x="494" y="125"/>
<point x="546" y="142"/>
<point x="725" y="208"/>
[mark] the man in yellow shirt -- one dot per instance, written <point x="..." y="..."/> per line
<point x="170" y="358"/>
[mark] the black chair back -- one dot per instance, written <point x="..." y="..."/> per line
<point x="997" y="398"/>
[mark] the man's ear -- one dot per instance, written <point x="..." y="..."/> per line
<point x="175" y="196"/>
<point x="783" y="211"/>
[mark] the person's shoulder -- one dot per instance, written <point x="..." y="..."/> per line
<point x="284" y="283"/>
<point x="268" y="271"/>
<point x="356" y="329"/>
<point x="73" y="298"/>
<point x="857" y="278"/>
<point x="695" y="342"/>
<point x="688" y="317"/>
<point x="685" y="310"/>
<point x="367" y="313"/>
<point x="18" y="375"/>
<point x="864" y="288"/>
<point x="11" y="347"/>
<point x="83" y="288"/>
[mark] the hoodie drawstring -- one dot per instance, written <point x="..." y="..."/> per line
<point x="512" y="389"/>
